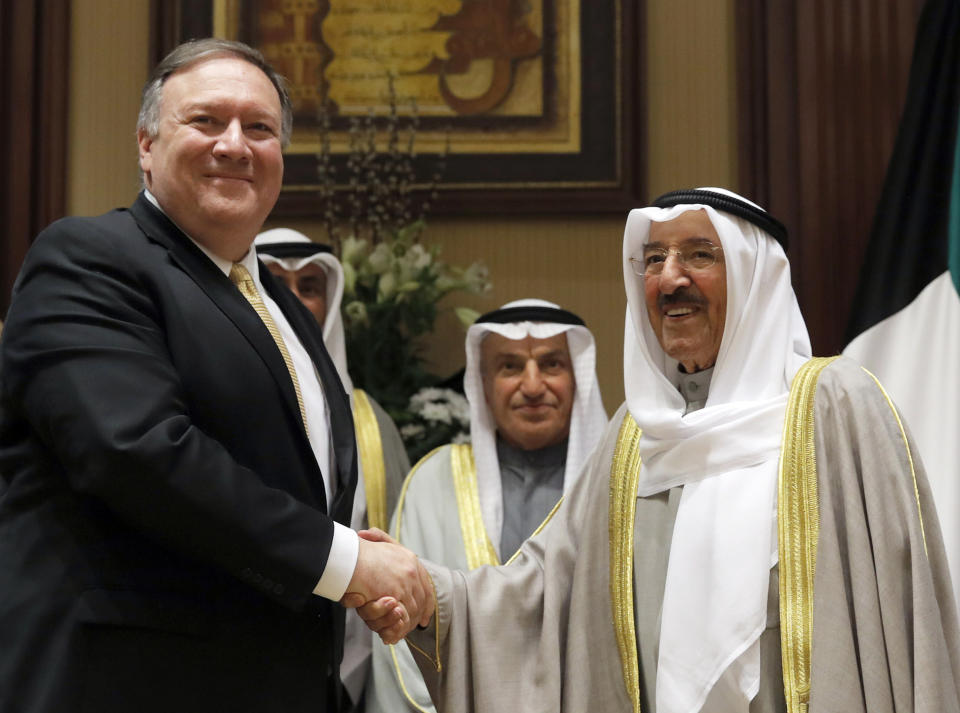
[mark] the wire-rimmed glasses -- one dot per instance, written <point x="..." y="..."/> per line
<point x="692" y="258"/>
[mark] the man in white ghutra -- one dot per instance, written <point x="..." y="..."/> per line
<point x="754" y="532"/>
<point x="535" y="416"/>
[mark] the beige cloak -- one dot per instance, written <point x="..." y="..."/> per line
<point x="541" y="633"/>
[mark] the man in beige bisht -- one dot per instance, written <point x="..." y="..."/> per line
<point x="736" y="543"/>
<point x="535" y="416"/>
<point x="314" y="274"/>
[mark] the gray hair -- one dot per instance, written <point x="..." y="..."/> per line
<point x="194" y="51"/>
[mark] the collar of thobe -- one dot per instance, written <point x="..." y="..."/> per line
<point x="695" y="388"/>
<point x="724" y="454"/>
<point x="531" y="462"/>
<point x="333" y="333"/>
<point x="587" y="418"/>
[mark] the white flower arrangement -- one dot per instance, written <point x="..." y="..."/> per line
<point x="440" y="416"/>
<point x="393" y="280"/>
<point x="391" y="296"/>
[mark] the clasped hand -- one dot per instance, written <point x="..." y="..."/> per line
<point x="390" y="589"/>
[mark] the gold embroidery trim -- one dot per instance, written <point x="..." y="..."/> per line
<point x="403" y="686"/>
<point x="401" y="500"/>
<point x="798" y="524"/>
<point x="476" y="543"/>
<point x="906" y="446"/>
<point x="624" y="475"/>
<point x="370" y="449"/>
<point x="435" y="660"/>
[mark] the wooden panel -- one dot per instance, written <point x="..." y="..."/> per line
<point x="16" y="138"/>
<point x="34" y="39"/>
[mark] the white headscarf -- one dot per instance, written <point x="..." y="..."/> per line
<point x="587" y="418"/>
<point x="333" y="335"/>
<point x="726" y="455"/>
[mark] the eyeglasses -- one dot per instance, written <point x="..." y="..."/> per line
<point x="691" y="257"/>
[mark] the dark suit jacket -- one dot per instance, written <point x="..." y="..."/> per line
<point x="164" y="522"/>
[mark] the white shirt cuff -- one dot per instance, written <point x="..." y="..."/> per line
<point x="341" y="563"/>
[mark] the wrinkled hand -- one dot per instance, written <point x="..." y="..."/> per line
<point x="390" y="589"/>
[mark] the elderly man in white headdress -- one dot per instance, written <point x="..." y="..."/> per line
<point x="313" y="273"/>
<point x="754" y="532"/>
<point x="535" y="416"/>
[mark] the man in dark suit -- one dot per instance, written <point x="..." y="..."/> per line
<point x="177" y="448"/>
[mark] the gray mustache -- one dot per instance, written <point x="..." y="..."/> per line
<point x="680" y="297"/>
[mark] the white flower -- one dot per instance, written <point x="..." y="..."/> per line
<point x="477" y="278"/>
<point x="459" y="406"/>
<point x="352" y="250"/>
<point x="436" y="412"/>
<point x="349" y="278"/>
<point x="412" y="430"/>
<point x="448" y="283"/>
<point x="423" y="396"/>
<point x="412" y="262"/>
<point x="386" y="286"/>
<point x="356" y="312"/>
<point x="417" y="258"/>
<point x="381" y="259"/>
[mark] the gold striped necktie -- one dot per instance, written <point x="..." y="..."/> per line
<point x="240" y="276"/>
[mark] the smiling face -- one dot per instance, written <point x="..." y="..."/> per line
<point x="687" y="308"/>
<point x="529" y="386"/>
<point x="215" y="165"/>
<point x="309" y="284"/>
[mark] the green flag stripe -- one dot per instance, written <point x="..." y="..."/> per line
<point x="953" y="222"/>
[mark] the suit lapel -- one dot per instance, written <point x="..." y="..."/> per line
<point x="159" y="228"/>
<point x="341" y="417"/>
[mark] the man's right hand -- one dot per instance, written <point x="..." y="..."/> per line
<point x="392" y="587"/>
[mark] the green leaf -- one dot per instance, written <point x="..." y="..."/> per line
<point x="466" y="315"/>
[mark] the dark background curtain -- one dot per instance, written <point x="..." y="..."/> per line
<point x="821" y="91"/>
<point x="34" y="54"/>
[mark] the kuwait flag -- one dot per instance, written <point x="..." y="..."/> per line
<point x="906" y="316"/>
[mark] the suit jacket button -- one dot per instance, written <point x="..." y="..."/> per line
<point x="257" y="578"/>
<point x="267" y="584"/>
<point x="247" y="573"/>
<point x="279" y="589"/>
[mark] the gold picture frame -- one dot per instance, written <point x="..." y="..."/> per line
<point x="535" y="103"/>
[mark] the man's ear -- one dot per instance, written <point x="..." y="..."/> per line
<point x="144" y="144"/>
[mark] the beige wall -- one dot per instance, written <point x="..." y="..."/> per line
<point x="691" y="141"/>
<point x="691" y="95"/>
<point x="108" y="66"/>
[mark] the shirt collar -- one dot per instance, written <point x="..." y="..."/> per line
<point x="695" y="386"/>
<point x="249" y="260"/>
<point x="551" y="456"/>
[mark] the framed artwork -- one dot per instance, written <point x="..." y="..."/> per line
<point x="529" y="105"/>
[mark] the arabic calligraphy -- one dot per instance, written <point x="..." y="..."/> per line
<point x="452" y="57"/>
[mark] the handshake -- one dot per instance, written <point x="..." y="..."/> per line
<point x="390" y="589"/>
